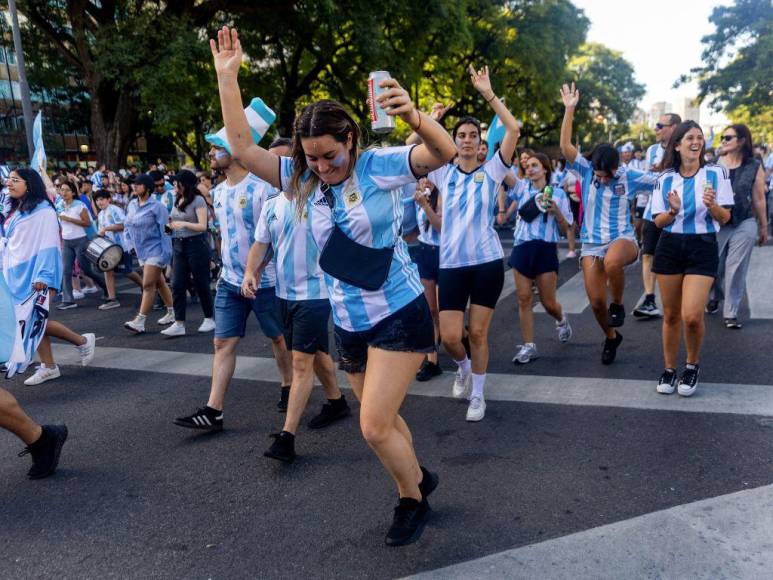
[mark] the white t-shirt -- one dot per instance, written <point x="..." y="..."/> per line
<point x="71" y="231"/>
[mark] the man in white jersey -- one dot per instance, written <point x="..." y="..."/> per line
<point x="238" y="201"/>
<point x="650" y="233"/>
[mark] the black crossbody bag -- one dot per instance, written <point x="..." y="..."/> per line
<point x="353" y="263"/>
<point x="529" y="210"/>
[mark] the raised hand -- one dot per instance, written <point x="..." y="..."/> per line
<point x="439" y="110"/>
<point x="227" y="52"/>
<point x="395" y="100"/>
<point x="674" y="201"/>
<point x="481" y="81"/>
<point x="570" y="96"/>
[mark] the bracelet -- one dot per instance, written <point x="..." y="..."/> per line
<point x="502" y="211"/>
<point x="494" y="96"/>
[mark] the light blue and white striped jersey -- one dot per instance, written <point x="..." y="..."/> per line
<point x="654" y="157"/>
<point x="296" y="256"/>
<point x="693" y="216"/>
<point x="427" y="232"/>
<point x="467" y="236"/>
<point x="110" y="216"/>
<point x="606" y="213"/>
<point x="410" y="222"/>
<point x="539" y="228"/>
<point x="237" y="209"/>
<point x="369" y="210"/>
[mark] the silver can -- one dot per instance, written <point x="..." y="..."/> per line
<point x="380" y="122"/>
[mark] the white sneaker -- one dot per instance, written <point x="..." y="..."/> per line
<point x="137" y="325"/>
<point x="167" y="318"/>
<point x="109" y="305"/>
<point x="208" y="325"/>
<point x="527" y="353"/>
<point x="90" y="290"/>
<point x="564" y="330"/>
<point x="571" y="254"/>
<point x="43" y="374"/>
<point x="462" y="385"/>
<point x="176" y="329"/>
<point x="86" y="351"/>
<point x="78" y="295"/>
<point x="476" y="409"/>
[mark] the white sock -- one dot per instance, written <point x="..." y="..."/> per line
<point x="464" y="366"/>
<point x="478" y="381"/>
<point x="170" y="310"/>
<point x="141" y="317"/>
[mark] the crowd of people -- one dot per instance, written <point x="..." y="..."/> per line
<point x="399" y="246"/>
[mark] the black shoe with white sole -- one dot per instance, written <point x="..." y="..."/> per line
<point x="667" y="382"/>
<point x="688" y="382"/>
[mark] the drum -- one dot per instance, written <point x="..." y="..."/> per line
<point x="104" y="254"/>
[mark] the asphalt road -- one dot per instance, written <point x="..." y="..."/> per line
<point x="137" y="497"/>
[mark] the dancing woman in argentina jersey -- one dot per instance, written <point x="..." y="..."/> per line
<point x="608" y="243"/>
<point x="470" y="252"/>
<point x="690" y="203"/>
<point x="352" y="197"/>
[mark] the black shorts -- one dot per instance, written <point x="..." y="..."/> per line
<point x="481" y="284"/>
<point x="413" y="250"/>
<point x="533" y="258"/>
<point x="575" y="207"/>
<point x="428" y="261"/>
<point x="410" y="329"/>
<point x="305" y="324"/>
<point x="650" y="234"/>
<point x="696" y="254"/>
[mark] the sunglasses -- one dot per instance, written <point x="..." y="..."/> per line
<point x="728" y="137"/>
<point x="662" y="126"/>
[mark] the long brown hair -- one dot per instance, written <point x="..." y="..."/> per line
<point x="744" y="136"/>
<point x="672" y="159"/>
<point x="324" y="117"/>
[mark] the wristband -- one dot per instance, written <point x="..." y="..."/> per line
<point x="493" y="96"/>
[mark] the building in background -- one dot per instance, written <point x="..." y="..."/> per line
<point x="689" y="109"/>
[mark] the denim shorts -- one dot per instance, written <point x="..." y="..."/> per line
<point x="600" y="250"/>
<point x="154" y="261"/>
<point x="428" y="261"/>
<point x="232" y="311"/>
<point x="305" y="324"/>
<point x="410" y="329"/>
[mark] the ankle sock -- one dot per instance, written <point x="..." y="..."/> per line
<point x="464" y="365"/>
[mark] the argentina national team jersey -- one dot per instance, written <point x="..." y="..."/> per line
<point x="237" y="209"/>
<point x="693" y="216"/>
<point x="539" y="228"/>
<point x="110" y="216"/>
<point x="606" y="214"/>
<point x="427" y="233"/>
<point x="654" y="156"/>
<point x="467" y="235"/>
<point x="369" y="210"/>
<point x="298" y="275"/>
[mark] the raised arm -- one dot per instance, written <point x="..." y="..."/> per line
<point x="227" y="54"/>
<point x="482" y="83"/>
<point x="437" y="147"/>
<point x="570" y="96"/>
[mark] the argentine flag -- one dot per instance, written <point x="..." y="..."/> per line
<point x="496" y="132"/>
<point x="259" y="117"/>
<point x="39" y="156"/>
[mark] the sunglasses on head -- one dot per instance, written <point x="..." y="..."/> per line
<point x="728" y="137"/>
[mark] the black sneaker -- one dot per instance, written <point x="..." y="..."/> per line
<point x="428" y="370"/>
<point x="428" y="483"/>
<point x="712" y="306"/>
<point x="45" y="451"/>
<point x="688" y="382"/>
<point x="283" y="399"/>
<point x="408" y="523"/>
<point x="610" y="349"/>
<point x="283" y="447"/>
<point x="205" y="419"/>
<point x="331" y="412"/>
<point x="667" y="382"/>
<point x="647" y="309"/>
<point x="733" y="323"/>
<point x="616" y="315"/>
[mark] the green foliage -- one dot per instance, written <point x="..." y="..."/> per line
<point x="739" y="57"/>
<point x="760" y="122"/>
<point x="608" y="93"/>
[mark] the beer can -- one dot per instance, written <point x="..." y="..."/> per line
<point x="380" y="122"/>
<point x="548" y="192"/>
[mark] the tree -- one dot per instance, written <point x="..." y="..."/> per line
<point x="738" y="57"/>
<point x="608" y="90"/>
<point x="109" y="48"/>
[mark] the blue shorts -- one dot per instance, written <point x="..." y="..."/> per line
<point x="535" y="257"/>
<point x="232" y="311"/>
<point x="428" y="261"/>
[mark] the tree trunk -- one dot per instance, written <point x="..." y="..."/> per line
<point x="112" y="128"/>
